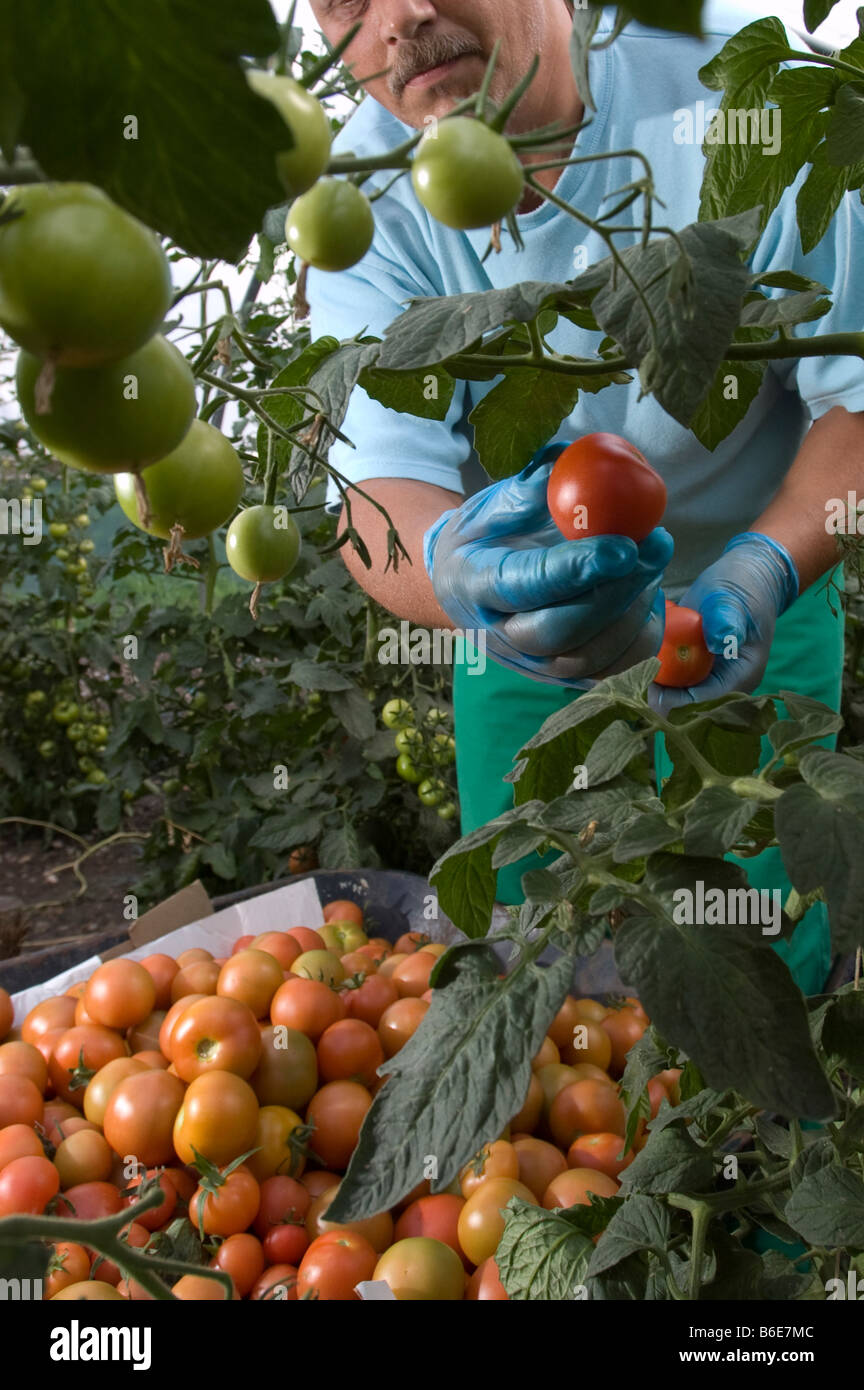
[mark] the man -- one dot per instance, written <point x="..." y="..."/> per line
<point x="748" y="520"/>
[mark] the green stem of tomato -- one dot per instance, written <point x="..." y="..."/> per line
<point x="271" y="475"/>
<point x="212" y="572"/>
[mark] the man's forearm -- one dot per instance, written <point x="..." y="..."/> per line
<point x="830" y="463"/>
<point x="413" y="507"/>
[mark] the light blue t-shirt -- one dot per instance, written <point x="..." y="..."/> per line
<point x="640" y="83"/>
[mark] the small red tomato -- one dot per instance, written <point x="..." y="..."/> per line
<point x="684" y="658"/>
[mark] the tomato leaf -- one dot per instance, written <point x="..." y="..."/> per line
<point x="642" y="1223"/>
<point x="670" y="1162"/>
<point x="820" y="196"/>
<point x="843" y="1031"/>
<point x="682" y="16"/>
<point x="464" y="878"/>
<point x="844" y="137"/>
<point x="827" y="1208"/>
<point x="727" y="982"/>
<point x="715" y="821"/>
<point x="542" y="1255"/>
<point x="103" y="103"/>
<point x="816" y="12"/>
<point x="471" y="1057"/>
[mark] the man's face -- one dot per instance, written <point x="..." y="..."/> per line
<point x="411" y="37"/>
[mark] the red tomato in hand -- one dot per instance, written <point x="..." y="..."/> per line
<point x="603" y="486"/>
<point x="684" y="657"/>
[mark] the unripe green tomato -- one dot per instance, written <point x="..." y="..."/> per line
<point x="35" y="697"/>
<point x="97" y="423"/>
<point x="406" y="769"/>
<point x="263" y="544"/>
<point x="80" y="611"/>
<point x="98" y="734"/>
<point x="331" y="227"/>
<point x="76" y="731"/>
<point x="65" y="712"/>
<point x="87" y="547"/>
<point x="199" y="700"/>
<point x="58" y="529"/>
<point x="432" y="791"/>
<point x="171" y="786"/>
<point x="39" y="484"/>
<point x="299" y="167"/>
<point x="75" y="567"/>
<point x="80" y="280"/>
<point x="435" y="717"/>
<point x="408" y="740"/>
<point x="86" y="765"/>
<point x="82" y="519"/>
<point x="314" y="699"/>
<point x="47" y="748"/>
<point x="128" y="795"/>
<point x="443" y="749"/>
<point x="448" y="811"/>
<point x="196" y="486"/>
<point x="397" y="714"/>
<point x="465" y="174"/>
<point x="61" y="553"/>
<point x="27" y="494"/>
<point x="791" y="759"/>
<point x="97" y="777"/>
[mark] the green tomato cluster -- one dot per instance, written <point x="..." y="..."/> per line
<point x="421" y="751"/>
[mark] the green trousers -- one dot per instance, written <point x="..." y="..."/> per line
<point x="498" y="711"/>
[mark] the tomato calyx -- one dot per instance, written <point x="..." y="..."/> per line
<point x="81" y="1075"/>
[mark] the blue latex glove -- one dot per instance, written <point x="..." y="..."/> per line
<point x="741" y="595"/>
<point x="560" y="611"/>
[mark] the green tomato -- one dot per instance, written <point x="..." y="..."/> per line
<point x="76" y="567"/>
<point x="199" y="700"/>
<point x="80" y="280"/>
<point x="58" y="529"/>
<point x="96" y="424"/>
<point x="98" y="734"/>
<point x="465" y="174"/>
<point x="448" y="811"/>
<point x="82" y="519"/>
<point x="331" y="227"/>
<point x="791" y="759"/>
<point x="80" y="611"/>
<point x="432" y="791"/>
<point x="397" y="714"/>
<point x="314" y="699"/>
<point x="61" y="553"/>
<point x="97" y="777"/>
<point x="65" y="712"/>
<point x="171" y="786"/>
<point x="443" y="749"/>
<point x="406" y="769"/>
<point x="408" y="740"/>
<point x="35" y="697"/>
<point x="299" y="167"/>
<point x="76" y="731"/>
<point x="128" y="795"/>
<point x="27" y="493"/>
<point x="87" y="547"/>
<point x="86" y="765"/>
<point x="47" y="748"/>
<point x="263" y="544"/>
<point x="435" y="717"/>
<point x="38" y="484"/>
<point x="19" y="671"/>
<point x="197" y="486"/>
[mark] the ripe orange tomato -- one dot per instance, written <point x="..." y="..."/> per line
<point x="27" y="1185"/>
<point x="571" y="1189"/>
<point x="586" y="1107"/>
<point x="101" y="1087"/>
<point x="83" y="1157"/>
<point x="599" y="1151"/>
<point x="216" y="1034"/>
<point x="369" y="1001"/>
<point x="150" y="1058"/>
<point x="57" y="1012"/>
<point x="436" y="1216"/>
<point x="90" y="1201"/>
<point x="198" y="977"/>
<point x="19" y="1141"/>
<point x="229" y="1210"/>
<point x="306" y="938"/>
<point x="684" y="657"/>
<point x="481" y="1224"/>
<point x="309" y="1006"/>
<point x="337" y="1112"/>
<point x="671" y="1079"/>
<point x="527" y="1119"/>
<point x="284" y="1201"/>
<point x="496" y="1160"/>
<point x="317" y="1180"/>
<point x="399" y="1022"/>
<point x="285" y="1244"/>
<point x="21" y="1101"/>
<point x="120" y="994"/>
<point x="276" y="1143"/>
<point x="279" y="944"/>
<point x="625" y="1028"/>
<point x="412" y="974"/>
<point x="539" y="1163"/>
<point x="135" y="1235"/>
<point x="158" y="1216"/>
<point x="570" y="1013"/>
<point x="69" y="1264"/>
<point x="144" y="1037"/>
<point x="171" y="1019"/>
<point x="218" y="1117"/>
<point x="589" y="1045"/>
<point x="252" y="977"/>
<point x="140" y="1116"/>
<point x="485" y="1283"/>
<point x="162" y="969"/>
<point x="343" y="910"/>
<point x="411" y="941"/>
<point x="349" y="1050"/>
<point x="378" y="1230"/>
<point x="287" y="1073"/>
<point x="197" y="1288"/>
<point x="547" y="1056"/>
<point x="242" y="1257"/>
<point x="334" y="1264"/>
<point x="23" y="1059"/>
<point x="421" y="1267"/>
<point x="602" y="485"/>
<point x="7" y="1013"/>
<point x="276" y="1283"/>
<point x="90" y="1045"/>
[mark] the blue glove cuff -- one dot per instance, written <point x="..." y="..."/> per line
<point x="784" y="566"/>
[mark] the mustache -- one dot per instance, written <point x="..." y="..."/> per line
<point x="411" y="60"/>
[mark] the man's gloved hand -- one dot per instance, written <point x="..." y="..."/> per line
<point x="741" y="595"/>
<point x="560" y="611"/>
